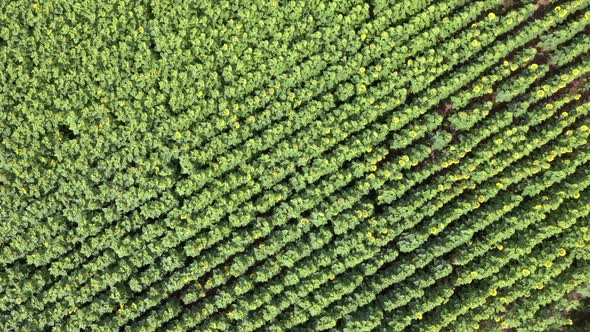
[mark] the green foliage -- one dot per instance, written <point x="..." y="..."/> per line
<point x="312" y="165"/>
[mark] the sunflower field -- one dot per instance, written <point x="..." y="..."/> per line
<point x="308" y="165"/>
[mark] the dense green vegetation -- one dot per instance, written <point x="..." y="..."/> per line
<point x="350" y="165"/>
